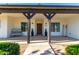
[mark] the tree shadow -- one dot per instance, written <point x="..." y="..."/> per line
<point x="46" y="52"/>
<point x="34" y="52"/>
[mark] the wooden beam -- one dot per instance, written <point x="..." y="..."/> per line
<point x="29" y="16"/>
<point x="49" y="16"/>
<point x="25" y="10"/>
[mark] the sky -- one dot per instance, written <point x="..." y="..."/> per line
<point x="39" y="1"/>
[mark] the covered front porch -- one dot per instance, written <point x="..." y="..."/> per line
<point x="35" y="22"/>
<point x="62" y="27"/>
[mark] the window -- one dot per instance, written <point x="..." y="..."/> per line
<point x="55" y="27"/>
<point x="24" y="26"/>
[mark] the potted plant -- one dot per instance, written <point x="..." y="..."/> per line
<point x="32" y="33"/>
<point x="45" y="32"/>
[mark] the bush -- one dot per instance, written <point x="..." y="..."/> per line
<point x="72" y="49"/>
<point x="4" y="52"/>
<point x="7" y="48"/>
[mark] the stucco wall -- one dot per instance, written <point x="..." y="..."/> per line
<point x="42" y="19"/>
<point x="3" y="26"/>
<point x="73" y="26"/>
<point x="15" y="22"/>
<point x="39" y="18"/>
<point x="9" y="21"/>
<point x="12" y="21"/>
<point x="56" y="18"/>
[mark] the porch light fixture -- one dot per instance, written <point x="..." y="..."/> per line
<point x="45" y="24"/>
<point x="32" y="23"/>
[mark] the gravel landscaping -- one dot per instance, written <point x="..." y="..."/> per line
<point x="22" y="48"/>
<point x="59" y="49"/>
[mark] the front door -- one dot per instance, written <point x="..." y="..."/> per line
<point x="39" y="29"/>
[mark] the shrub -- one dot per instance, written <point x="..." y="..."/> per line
<point x="7" y="48"/>
<point x="4" y="52"/>
<point x="72" y="49"/>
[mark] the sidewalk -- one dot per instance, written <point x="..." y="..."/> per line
<point x="39" y="49"/>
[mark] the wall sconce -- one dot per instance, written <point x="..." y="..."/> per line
<point x="32" y="23"/>
<point x="45" y="24"/>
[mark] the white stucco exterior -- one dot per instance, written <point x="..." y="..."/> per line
<point x="73" y="29"/>
<point x="3" y="26"/>
<point x="8" y="21"/>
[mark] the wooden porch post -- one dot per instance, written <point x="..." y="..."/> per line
<point x="29" y="16"/>
<point x="49" y="17"/>
<point x="49" y="31"/>
<point x="29" y="29"/>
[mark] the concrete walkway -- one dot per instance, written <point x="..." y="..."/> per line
<point x="39" y="49"/>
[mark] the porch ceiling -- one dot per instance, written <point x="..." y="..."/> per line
<point x="16" y="15"/>
<point x="65" y="15"/>
<point x="21" y="16"/>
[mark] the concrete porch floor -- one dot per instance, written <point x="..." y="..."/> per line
<point x="42" y="39"/>
<point x="55" y="40"/>
<point x="64" y="40"/>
